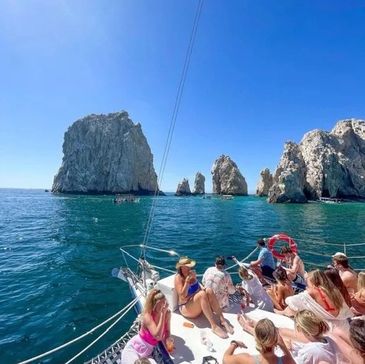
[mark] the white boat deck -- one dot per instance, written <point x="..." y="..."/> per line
<point x="188" y="343"/>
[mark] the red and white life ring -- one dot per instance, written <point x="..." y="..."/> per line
<point x="281" y="237"/>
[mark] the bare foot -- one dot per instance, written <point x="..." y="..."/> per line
<point x="228" y="327"/>
<point x="219" y="332"/>
<point x="245" y="322"/>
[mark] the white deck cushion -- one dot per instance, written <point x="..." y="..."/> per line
<point x="167" y="287"/>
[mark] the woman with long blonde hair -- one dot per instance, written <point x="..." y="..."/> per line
<point x="321" y="297"/>
<point x="267" y="337"/>
<point x="155" y="327"/>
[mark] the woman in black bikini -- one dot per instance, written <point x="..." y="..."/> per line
<point x="194" y="299"/>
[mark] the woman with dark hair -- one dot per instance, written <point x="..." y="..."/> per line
<point x="281" y="290"/>
<point x="335" y="278"/>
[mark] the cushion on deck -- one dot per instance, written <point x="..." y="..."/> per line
<point x="167" y="287"/>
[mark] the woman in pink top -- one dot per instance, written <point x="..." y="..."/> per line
<point x="155" y="327"/>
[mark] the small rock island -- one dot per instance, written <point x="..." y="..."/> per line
<point x="227" y="178"/>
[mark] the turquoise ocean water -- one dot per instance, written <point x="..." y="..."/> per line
<point x="57" y="253"/>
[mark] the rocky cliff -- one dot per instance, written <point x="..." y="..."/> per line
<point x="199" y="184"/>
<point x="106" y="154"/>
<point x="323" y="164"/>
<point x="183" y="188"/>
<point x="227" y="179"/>
<point x="265" y="182"/>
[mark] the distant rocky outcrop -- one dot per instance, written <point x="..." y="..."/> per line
<point x="265" y="182"/>
<point x="227" y="179"/>
<point x="106" y="154"/>
<point x="183" y="188"/>
<point x="199" y="184"/>
<point x="323" y="164"/>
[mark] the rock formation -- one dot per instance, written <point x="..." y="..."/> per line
<point x="265" y="182"/>
<point x="199" y="184"/>
<point x="183" y="188"/>
<point x="106" y="154"/>
<point x="323" y="164"/>
<point x="227" y="179"/>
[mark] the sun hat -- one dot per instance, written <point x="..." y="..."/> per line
<point x="185" y="262"/>
<point x="339" y="255"/>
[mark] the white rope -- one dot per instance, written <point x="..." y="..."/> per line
<point x="325" y="243"/>
<point x="106" y="331"/>
<point x="81" y="336"/>
<point x="243" y="260"/>
<point x="164" y="269"/>
<point x="330" y="256"/>
<point x="318" y="254"/>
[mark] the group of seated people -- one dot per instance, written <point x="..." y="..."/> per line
<point x="328" y="321"/>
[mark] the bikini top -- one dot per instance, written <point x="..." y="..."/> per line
<point x="328" y="307"/>
<point x="193" y="288"/>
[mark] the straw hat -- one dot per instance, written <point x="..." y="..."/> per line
<point x="339" y="255"/>
<point x="185" y="262"/>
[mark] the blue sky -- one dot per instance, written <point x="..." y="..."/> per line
<point x="262" y="73"/>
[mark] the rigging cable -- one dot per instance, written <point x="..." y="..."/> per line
<point x="175" y="112"/>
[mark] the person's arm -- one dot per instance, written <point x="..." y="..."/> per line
<point x="230" y="358"/>
<point x="256" y="263"/>
<point x="286" y="312"/>
<point x="182" y="287"/>
<point x="156" y="331"/>
<point x="288" y="358"/>
<point x="293" y="335"/>
<point x="295" y="266"/>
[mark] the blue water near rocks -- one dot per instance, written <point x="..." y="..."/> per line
<point x="57" y="253"/>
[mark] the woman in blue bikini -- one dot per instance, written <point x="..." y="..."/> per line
<point x="194" y="299"/>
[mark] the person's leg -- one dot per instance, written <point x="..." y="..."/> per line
<point x="202" y="298"/>
<point x="129" y="354"/>
<point x="214" y="304"/>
